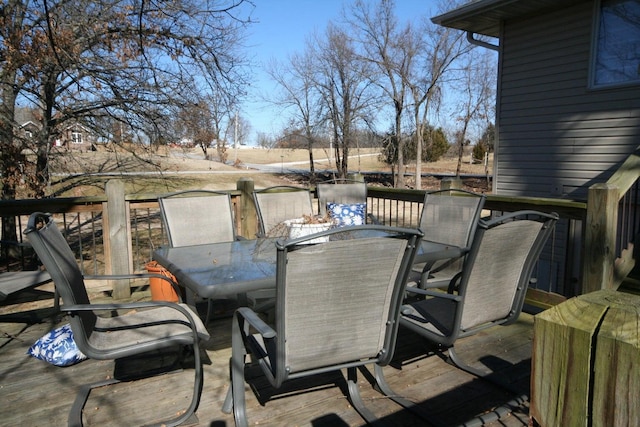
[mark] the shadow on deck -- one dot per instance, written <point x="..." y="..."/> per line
<point x="36" y="393"/>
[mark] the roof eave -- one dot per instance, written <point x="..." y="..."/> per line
<point x="486" y="16"/>
<point x="467" y="18"/>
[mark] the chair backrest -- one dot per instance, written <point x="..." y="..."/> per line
<point x="277" y="204"/>
<point x="451" y="216"/>
<point x="338" y="302"/>
<point x="197" y="217"/>
<point x="498" y="268"/>
<point x="340" y="191"/>
<point x="58" y="259"/>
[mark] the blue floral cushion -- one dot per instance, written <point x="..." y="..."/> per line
<point x="57" y="347"/>
<point x="347" y="214"/>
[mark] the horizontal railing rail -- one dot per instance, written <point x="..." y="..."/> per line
<point x="84" y="225"/>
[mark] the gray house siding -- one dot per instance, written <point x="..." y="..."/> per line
<point x="557" y="136"/>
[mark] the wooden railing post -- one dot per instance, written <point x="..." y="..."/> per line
<point x="117" y="237"/>
<point x="451" y="184"/>
<point x="248" y="217"/>
<point x="600" y="237"/>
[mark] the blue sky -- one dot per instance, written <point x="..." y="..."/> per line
<point x="281" y="29"/>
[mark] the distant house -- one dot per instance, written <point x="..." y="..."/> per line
<point x="568" y="98"/>
<point x="76" y="137"/>
<point x="28" y="123"/>
<point x="73" y="137"/>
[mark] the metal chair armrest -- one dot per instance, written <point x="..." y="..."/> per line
<point x="256" y="322"/>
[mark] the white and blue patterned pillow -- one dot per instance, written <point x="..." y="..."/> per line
<point x="347" y="214"/>
<point x="57" y="347"/>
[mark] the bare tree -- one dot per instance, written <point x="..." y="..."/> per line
<point x="439" y="49"/>
<point x="197" y="125"/>
<point x="344" y="82"/>
<point x="389" y="49"/>
<point x="477" y="95"/>
<point x="136" y="63"/>
<point x="299" y="94"/>
<point x="238" y="130"/>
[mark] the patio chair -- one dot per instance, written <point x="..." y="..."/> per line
<point x="343" y="191"/>
<point x="150" y="326"/>
<point x="449" y="217"/>
<point x="196" y="217"/>
<point x="491" y="288"/>
<point x="279" y="203"/>
<point x="337" y="308"/>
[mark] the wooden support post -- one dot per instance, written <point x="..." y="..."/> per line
<point x="356" y="176"/>
<point x="600" y="237"/>
<point x="586" y="362"/>
<point x="451" y="184"/>
<point x="248" y="215"/>
<point x="118" y="235"/>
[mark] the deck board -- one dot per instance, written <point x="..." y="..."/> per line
<point x="35" y="393"/>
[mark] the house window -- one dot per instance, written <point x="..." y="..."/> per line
<point x="617" y="43"/>
<point x="76" y="137"/>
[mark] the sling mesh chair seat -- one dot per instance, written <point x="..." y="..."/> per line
<point x="337" y="306"/>
<point x="274" y="205"/>
<point x="148" y="326"/>
<point x="491" y="288"/>
<point x="197" y="217"/>
<point x="343" y="191"/>
<point x="448" y="217"/>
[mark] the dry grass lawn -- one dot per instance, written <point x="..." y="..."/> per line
<point x="165" y="170"/>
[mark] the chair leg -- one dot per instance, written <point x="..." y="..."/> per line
<point x="227" y="406"/>
<point x="75" y="415"/>
<point x="236" y="391"/>
<point x="356" y="399"/>
<point x="209" y="311"/>
<point x="456" y="361"/>
<point x="499" y="412"/>
<point x="383" y="387"/>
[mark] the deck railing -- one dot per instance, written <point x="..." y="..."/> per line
<point x="612" y="226"/>
<point x="92" y="226"/>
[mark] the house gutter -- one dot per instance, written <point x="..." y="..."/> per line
<point x="477" y="42"/>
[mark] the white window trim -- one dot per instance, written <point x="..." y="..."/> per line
<point x="79" y="138"/>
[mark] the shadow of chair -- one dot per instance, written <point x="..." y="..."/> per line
<point x="343" y="191"/>
<point x="491" y="288"/>
<point x="337" y="306"/>
<point x="13" y="283"/>
<point x="277" y="204"/>
<point x="197" y="217"/>
<point x="449" y="217"/>
<point x="146" y="327"/>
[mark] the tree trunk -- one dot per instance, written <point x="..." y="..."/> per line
<point x="9" y="151"/>
<point x="312" y="168"/>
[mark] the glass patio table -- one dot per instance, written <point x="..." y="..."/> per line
<point x="220" y="270"/>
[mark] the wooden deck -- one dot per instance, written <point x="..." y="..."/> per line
<point x="35" y="393"/>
